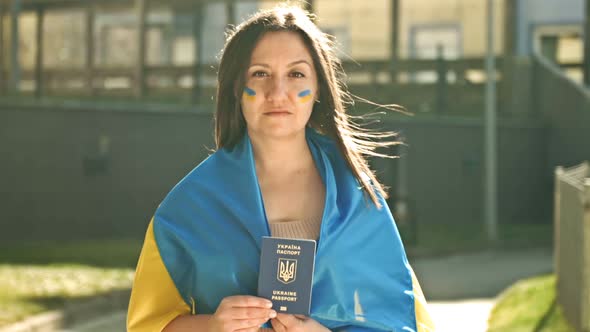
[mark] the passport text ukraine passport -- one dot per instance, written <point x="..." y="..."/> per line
<point x="286" y="273"/>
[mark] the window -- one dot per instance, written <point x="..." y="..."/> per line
<point x="563" y="44"/>
<point x="430" y="42"/>
<point x="425" y="41"/>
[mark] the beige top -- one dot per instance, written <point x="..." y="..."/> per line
<point x="296" y="229"/>
<point x="304" y="229"/>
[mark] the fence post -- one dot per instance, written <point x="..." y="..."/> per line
<point x="39" y="52"/>
<point x="394" y="41"/>
<point x="198" y="17"/>
<point x="15" y="74"/>
<point x="89" y="61"/>
<point x="572" y="255"/>
<point x="586" y="254"/>
<point x="3" y="49"/>
<point x="230" y="13"/>
<point x="140" y="12"/>
<point x="441" y="86"/>
<point x="557" y="221"/>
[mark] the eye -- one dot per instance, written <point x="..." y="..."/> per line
<point x="297" y="74"/>
<point x="259" y="73"/>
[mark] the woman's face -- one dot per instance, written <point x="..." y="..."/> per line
<point x="280" y="87"/>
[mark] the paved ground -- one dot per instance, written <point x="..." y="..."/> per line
<point x="461" y="315"/>
<point x="480" y="275"/>
<point x="114" y="322"/>
<point x="461" y="289"/>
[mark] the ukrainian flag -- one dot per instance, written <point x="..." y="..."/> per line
<point x="203" y="244"/>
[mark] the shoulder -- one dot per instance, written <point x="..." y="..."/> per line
<point x="200" y="179"/>
<point x="201" y="171"/>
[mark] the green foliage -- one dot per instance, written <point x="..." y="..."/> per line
<point x="102" y="253"/>
<point x="529" y="306"/>
<point x="26" y="290"/>
<point x="37" y="277"/>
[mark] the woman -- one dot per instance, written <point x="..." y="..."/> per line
<point x="289" y="163"/>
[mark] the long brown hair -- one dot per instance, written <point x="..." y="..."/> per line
<point x="328" y="116"/>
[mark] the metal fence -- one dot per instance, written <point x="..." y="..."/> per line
<point x="424" y="86"/>
<point x="572" y="243"/>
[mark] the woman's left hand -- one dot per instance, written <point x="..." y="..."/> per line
<point x="296" y="323"/>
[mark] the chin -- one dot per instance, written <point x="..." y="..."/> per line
<point x="281" y="132"/>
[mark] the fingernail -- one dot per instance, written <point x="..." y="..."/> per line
<point x="273" y="314"/>
<point x="269" y="304"/>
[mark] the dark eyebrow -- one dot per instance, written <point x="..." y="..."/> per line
<point x="294" y="63"/>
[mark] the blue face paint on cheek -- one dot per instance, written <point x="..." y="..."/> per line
<point x="305" y="95"/>
<point x="249" y="94"/>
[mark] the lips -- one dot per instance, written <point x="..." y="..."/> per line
<point x="277" y="112"/>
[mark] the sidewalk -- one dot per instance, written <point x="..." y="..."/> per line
<point x="472" y="313"/>
<point x="479" y="275"/>
<point x="75" y="313"/>
<point x="461" y="315"/>
<point x="113" y="322"/>
<point x="461" y="289"/>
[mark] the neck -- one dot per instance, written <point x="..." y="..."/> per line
<point x="285" y="154"/>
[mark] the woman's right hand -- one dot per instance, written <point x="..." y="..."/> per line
<point x="242" y="313"/>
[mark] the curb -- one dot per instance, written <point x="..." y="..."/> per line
<point x="73" y="312"/>
<point x="418" y="253"/>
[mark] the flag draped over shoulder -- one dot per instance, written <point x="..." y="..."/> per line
<point x="209" y="228"/>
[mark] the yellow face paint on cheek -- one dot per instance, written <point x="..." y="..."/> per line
<point x="249" y="94"/>
<point x="304" y="96"/>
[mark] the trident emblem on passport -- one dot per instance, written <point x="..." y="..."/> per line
<point x="287" y="270"/>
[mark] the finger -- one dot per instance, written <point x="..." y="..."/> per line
<point x="289" y="321"/>
<point x="239" y="317"/>
<point x="252" y="329"/>
<point x="245" y="324"/>
<point x="246" y="301"/>
<point x="250" y="313"/>
<point x="277" y="325"/>
<point x="249" y="329"/>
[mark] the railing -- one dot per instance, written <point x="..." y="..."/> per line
<point x="555" y="91"/>
<point x="574" y="70"/>
<point x="565" y="105"/>
<point x="434" y="86"/>
<point x="572" y="243"/>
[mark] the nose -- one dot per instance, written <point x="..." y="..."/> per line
<point x="277" y="91"/>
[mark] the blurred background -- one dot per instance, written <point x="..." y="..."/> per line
<point x="105" y="105"/>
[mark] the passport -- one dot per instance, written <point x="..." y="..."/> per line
<point x="286" y="274"/>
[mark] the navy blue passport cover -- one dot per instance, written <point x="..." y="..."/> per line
<point x="286" y="274"/>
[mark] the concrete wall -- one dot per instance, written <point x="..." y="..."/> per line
<point x="95" y="173"/>
<point x="58" y="182"/>
<point x="445" y="171"/>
